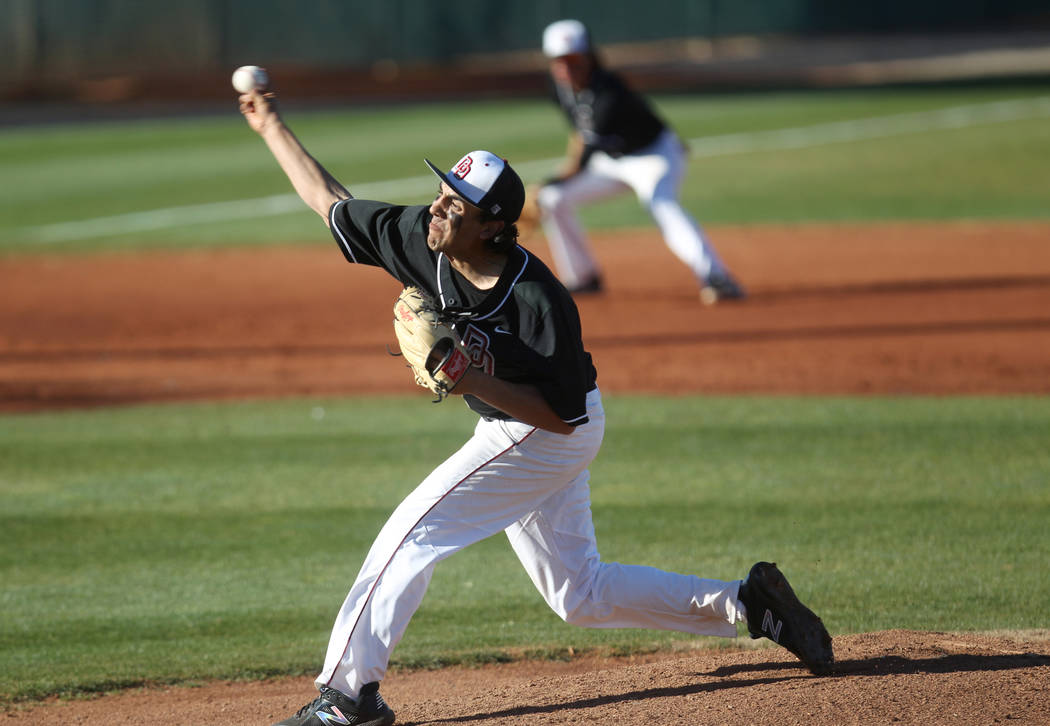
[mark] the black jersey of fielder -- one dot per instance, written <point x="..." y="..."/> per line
<point x="526" y="329"/>
<point x="609" y="116"/>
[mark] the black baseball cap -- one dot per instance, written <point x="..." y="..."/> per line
<point x="488" y="182"/>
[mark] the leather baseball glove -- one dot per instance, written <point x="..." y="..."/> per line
<point x="432" y="349"/>
<point x="529" y="220"/>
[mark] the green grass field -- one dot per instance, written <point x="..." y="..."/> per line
<point x="185" y="542"/>
<point x="974" y="160"/>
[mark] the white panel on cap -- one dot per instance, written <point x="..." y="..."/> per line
<point x="477" y="172"/>
<point x="565" y="37"/>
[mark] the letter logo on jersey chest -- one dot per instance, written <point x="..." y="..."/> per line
<point x="477" y="343"/>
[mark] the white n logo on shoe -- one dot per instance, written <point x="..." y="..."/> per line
<point x="329" y="718"/>
<point x="768" y="625"/>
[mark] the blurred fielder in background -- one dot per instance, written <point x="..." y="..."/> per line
<point x="617" y="143"/>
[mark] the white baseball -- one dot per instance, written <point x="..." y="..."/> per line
<point x="250" y="78"/>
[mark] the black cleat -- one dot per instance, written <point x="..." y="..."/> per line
<point x="592" y="286"/>
<point x="774" y="612"/>
<point x="332" y="708"/>
<point x="720" y="287"/>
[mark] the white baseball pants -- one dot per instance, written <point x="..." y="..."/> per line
<point x="532" y="484"/>
<point x="655" y="174"/>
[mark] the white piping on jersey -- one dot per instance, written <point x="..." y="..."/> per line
<point x="437" y="277"/>
<point x="510" y="288"/>
<point x="513" y="282"/>
<point x="333" y="225"/>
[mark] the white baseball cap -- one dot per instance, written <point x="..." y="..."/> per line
<point x="565" y="37"/>
<point x="486" y="181"/>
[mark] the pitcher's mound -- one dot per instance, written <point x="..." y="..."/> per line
<point x="897" y="676"/>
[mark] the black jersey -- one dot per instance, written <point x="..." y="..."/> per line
<point x="526" y="329"/>
<point x="609" y="116"/>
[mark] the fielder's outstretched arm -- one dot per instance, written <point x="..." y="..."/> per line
<point x="319" y="189"/>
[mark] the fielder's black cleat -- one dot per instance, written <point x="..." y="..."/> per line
<point x="719" y="288"/>
<point x="593" y="286"/>
<point x="332" y="707"/>
<point x="774" y="612"/>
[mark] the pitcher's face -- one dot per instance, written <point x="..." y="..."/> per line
<point x="455" y="224"/>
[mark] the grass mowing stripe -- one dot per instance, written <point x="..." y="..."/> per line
<point x="800" y="137"/>
<point x="174" y="543"/>
<point x="956" y="117"/>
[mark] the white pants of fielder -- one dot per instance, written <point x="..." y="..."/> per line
<point x="655" y="174"/>
<point x="532" y="484"/>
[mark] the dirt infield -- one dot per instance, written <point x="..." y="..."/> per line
<point x="891" y="308"/>
<point x="879" y="309"/>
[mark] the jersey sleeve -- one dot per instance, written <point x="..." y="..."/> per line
<point x="382" y="235"/>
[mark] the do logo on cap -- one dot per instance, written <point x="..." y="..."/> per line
<point x="463" y="167"/>
<point x="488" y="182"/>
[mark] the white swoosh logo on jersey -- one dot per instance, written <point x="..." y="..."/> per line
<point x="501" y="329"/>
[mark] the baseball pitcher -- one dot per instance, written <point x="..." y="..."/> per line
<point x="484" y="319"/>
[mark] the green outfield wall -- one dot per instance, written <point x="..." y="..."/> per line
<point x="84" y="38"/>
